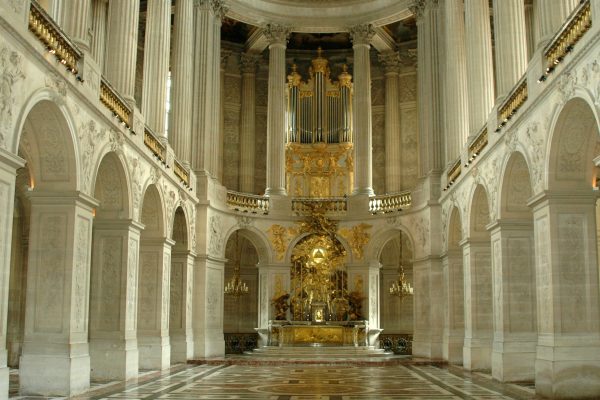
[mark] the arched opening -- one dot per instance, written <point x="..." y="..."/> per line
<point x="241" y="309"/>
<point x="396" y="307"/>
<point x="454" y="317"/>
<point x="115" y="243"/>
<point x="153" y="287"/>
<point x="182" y="276"/>
<point x="566" y="260"/>
<point x="478" y="286"/>
<point x="515" y="325"/>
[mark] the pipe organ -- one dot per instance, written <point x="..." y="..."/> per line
<point x="319" y="150"/>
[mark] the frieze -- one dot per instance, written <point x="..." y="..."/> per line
<point x="11" y="72"/>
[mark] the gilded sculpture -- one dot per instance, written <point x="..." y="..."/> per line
<point x="357" y="237"/>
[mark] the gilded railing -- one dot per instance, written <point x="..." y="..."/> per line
<point x="55" y="40"/>
<point x="477" y="146"/>
<point x="246" y="202"/>
<point x="387" y="203"/>
<point x="181" y="172"/>
<point x="328" y="205"/>
<point x="453" y="173"/>
<point x="513" y="102"/>
<point x="578" y="23"/>
<point x="152" y="142"/>
<point x="114" y="102"/>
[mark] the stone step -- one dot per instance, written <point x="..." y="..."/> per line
<point x="317" y="351"/>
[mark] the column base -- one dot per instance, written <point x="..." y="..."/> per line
<point x="568" y="372"/>
<point x="431" y="349"/>
<point x="54" y="375"/>
<point x="114" y="359"/>
<point x="452" y="349"/>
<point x="155" y="352"/>
<point x="182" y="348"/>
<point x="514" y="361"/>
<point x="211" y="344"/>
<point x="477" y="354"/>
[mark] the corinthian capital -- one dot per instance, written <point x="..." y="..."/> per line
<point x="418" y="8"/>
<point x="249" y="61"/>
<point x="218" y="7"/>
<point x="362" y="34"/>
<point x="276" y="33"/>
<point x="390" y="60"/>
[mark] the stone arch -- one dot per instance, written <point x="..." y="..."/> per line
<point x="257" y="238"/>
<point x="47" y="142"/>
<point x="152" y="213"/>
<point x="112" y="189"/>
<point x="455" y="229"/>
<point x="381" y="238"/>
<point x="180" y="232"/>
<point x="573" y="144"/>
<point x="479" y="217"/>
<point x="515" y="188"/>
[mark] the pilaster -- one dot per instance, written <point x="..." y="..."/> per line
<point x="180" y="306"/>
<point x="551" y="17"/>
<point x="428" y="314"/>
<point x="75" y="21"/>
<point x="98" y="41"/>
<point x="454" y="316"/>
<point x="249" y="62"/>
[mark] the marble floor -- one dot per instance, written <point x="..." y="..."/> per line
<point x="296" y="382"/>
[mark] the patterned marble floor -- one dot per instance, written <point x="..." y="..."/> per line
<point x="301" y="382"/>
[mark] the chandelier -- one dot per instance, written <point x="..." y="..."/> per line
<point x="401" y="287"/>
<point x="236" y="287"/>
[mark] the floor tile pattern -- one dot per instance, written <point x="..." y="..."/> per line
<point x="303" y="382"/>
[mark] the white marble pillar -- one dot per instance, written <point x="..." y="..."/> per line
<point x="431" y="153"/>
<point x="480" y="69"/>
<point x="182" y="63"/>
<point x="98" y="41"/>
<point x="429" y="308"/>
<point x="153" y="303"/>
<point x="74" y="19"/>
<point x="454" y="316"/>
<point x="55" y="359"/>
<point x="225" y="54"/>
<point x="277" y="36"/>
<point x="114" y="291"/>
<point x="180" y="307"/>
<point x="207" y="91"/>
<point x="9" y="163"/>
<point x="455" y="79"/>
<point x="361" y="36"/>
<point x="121" y="46"/>
<point x="249" y="62"/>
<point x="156" y="64"/>
<point x="552" y="14"/>
<point x="207" y="307"/>
<point x="393" y="142"/>
<point x="531" y="28"/>
<point x="478" y="304"/>
<point x="271" y="279"/>
<point x="567" y="363"/>
<point x="515" y="327"/>
<point x="511" y="44"/>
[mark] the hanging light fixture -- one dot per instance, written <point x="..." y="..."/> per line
<point x="401" y="287"/>
<point x="236" y="287"/>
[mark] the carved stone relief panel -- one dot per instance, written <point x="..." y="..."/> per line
<point x="108" y="284"/>
<point x="50" y="269"/>
<point x="377" y="90"/>
<point x="164" y="292"/>
<point x="214" y="288"/>
<point x="408" y="88"/>
<point x="544" y="283"/>
<point x="231" y="151"/>
<point x="521" y="285"/>
<point x="54" y="165"/>
<point x="215" y="236"/>
<point x="81" y="269"/>
<point x="410" y="153"/>
<point x="378" y="152"/>
<point x="260" y="176"/>
<point x="11" y="72"/>
<point x="483" y="291"/>
<point x="148" y="294"/>
<point x="132" y="285"/>
<point x="177" y="292"/>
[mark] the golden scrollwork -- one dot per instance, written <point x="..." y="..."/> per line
<point x="280" y="237"/>
<point x="357" y="237"/>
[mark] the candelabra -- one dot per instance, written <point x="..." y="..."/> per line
<point x="401" y="287"/>
<point x="236" y="287"/>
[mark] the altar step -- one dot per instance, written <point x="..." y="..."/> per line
<point x="318" y="352"/>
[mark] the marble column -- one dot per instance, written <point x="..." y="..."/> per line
<point x="74" y="19"/>
<point x="429" y="308"/>
<point x="9" y="163"/>
<point x="207" y="91"/>
<point x="153" y="303"/>
<point x="364" y="278"/>
<point x="511" y="44"/>
<point x="99" y="20"/>
<point x="277" y="36"/>
<point x="567" y="363"/>
<point x="454" y="316"/>
<point x="114" y="291"/>
<point x="551" y="15"/>
<point x="121" y="46"/>
<point x="478" y="304"/>
<point x="515" y="327"/>
<point x="431" y="153"/>
<point x="207" y="307"/>
<point x="531" y="28"/>
<point x="249" y="62"/>
<point x="55" y="359"/>
<point x="455" y="80"/>
<point x="480" y="69"/>
<point x="156" y="64"/>
<point x="182" y="63"/>
<point x="180" y="306"/>
<point x="361" y="36"/>
<point x="221" y="134"/>
<point x="271" y="279"/>
<point x="393" y="142"/>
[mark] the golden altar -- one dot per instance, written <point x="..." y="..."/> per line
<point x="302" y="333"/>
